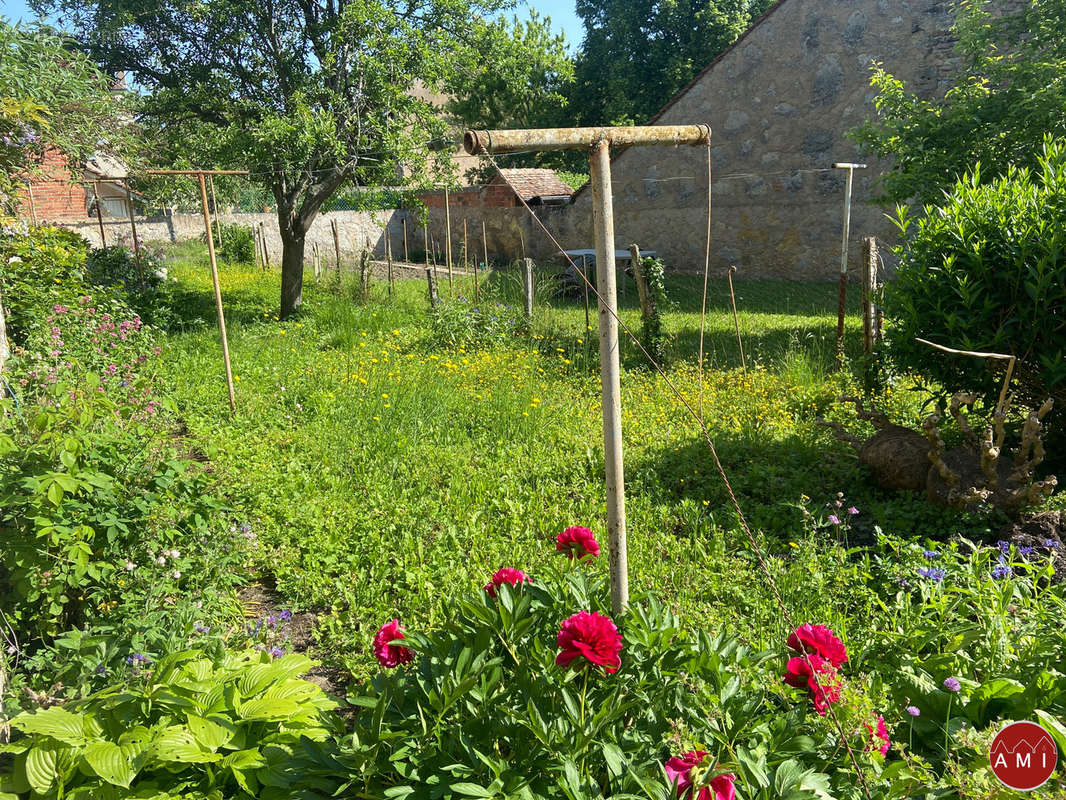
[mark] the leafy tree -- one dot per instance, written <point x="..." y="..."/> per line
<point x="51" y="95"/>
<point x="637" y="54"/>
<point x="1009" y="93"/>
<point x="310" y="95"/>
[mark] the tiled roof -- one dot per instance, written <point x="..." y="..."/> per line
<point x="530" y="183"/>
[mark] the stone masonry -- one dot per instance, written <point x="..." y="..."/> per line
<point x="779" y="103"/>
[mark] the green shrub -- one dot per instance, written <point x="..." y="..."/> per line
<point x="189" y="726"/>
<point x="236" y="245"/>
<point x="986" y="270"/>
<point x="458" y="323"/>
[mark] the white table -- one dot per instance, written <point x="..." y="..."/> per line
<point x="619" y="255"/>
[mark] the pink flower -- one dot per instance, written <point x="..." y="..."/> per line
<point x="685" y="771"/>
<point x="590" y="636"/>
<point x="820" y="640"/>
<point x="818" y="676"/>
<point x="505" y="575"/>
<point x="391" y="655"/>
<point x="878" y="738"/>
<point x="834" y="519"/>
<point x="577" y="542"/>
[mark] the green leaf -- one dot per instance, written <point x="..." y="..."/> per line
<point x="41" y="768"/>
<point x="1054" y="727"/>
<point x="56" y="722"/>
<point x="113" y="763"/>
<point x="277" y="709"/>
<point x="210" y="734"/>
<point x="472" y="790"/>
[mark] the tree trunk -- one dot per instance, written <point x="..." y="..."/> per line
<point x="292" y="266"/>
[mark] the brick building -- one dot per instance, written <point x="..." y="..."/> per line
<point x="57" y="194"/>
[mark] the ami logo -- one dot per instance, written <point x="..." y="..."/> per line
<point x="1023" y="756"/>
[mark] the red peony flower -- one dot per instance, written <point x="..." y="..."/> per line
<point x="577" y="542"/>
<point x="686" y="770"/>
<point x="819" y="640"/>
<point x="391" y="655"/>
<point x="878" y="737"/>
<point x="817" y="675"/>
<point x="505" y="575"/>
<point x="592" y="637"/>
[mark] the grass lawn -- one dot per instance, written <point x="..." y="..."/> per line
<point x="380" y="469"/>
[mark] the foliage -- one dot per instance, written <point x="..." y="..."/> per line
<point x="651" y="331"/>
<point x="486" y="709"/>
<point x="188" y="726"/>
<point x="1006" y="97"/>
<point x="637" y="55"/>
<point x="51" y="95"/>
<point x="306" y="110"/>
<point x="984" y="270"/>
<point x="575" y="180"/>
<point x="233" y="243"/>
<point x="371" y="199"/>
<point x="457" y="322"/>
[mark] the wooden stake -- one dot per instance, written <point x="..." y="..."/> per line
<point x="255" y="248"/>
<point x="528" y="265"/>
<point x="485" y="245"/>
<point x="585" y="288"/>
<point x="432" y="280"/>
<point x="214" y="205"/>
<point x="136" y="241"/>
<point x="448" y="240"/>
<point x="736" y="319"/>
<point x="869" y="290"/>
<point x="33" y="206"/>
<point x="266" y="250"/>
<point x="100" y="214"/>
<point x="603" y="224"/>
<point x="406" y="260"/>
<point x="336" y="246"/>
<point x="388" y="258"/>
<point x="218" y="293"/>
<point x="844" y="255"/>
<point x="647" y="300"/>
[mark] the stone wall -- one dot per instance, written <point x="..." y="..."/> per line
<point x="779" y="104"/>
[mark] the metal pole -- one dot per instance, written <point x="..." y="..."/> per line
<point x="527" y="264"/>
<point x="388" y="258"/>
<point x="485" y="247"/>
<point x="136" y="241"/>
<point x="99" y="213"/>
<point x="603" y="224"/>
<point x="844" y="254"/>
<point x="479" y="142"/>
<point x="585" y="286"/>
<point x="218" y="292"/>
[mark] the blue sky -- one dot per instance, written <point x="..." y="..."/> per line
<point x="562" y="14"/>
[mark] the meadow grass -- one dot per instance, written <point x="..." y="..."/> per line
<point x="381" y="470"/>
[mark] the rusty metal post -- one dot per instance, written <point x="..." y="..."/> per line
<point x="99" y="213"/>
<point x="218" y="292"/>
<point x="844" y="255"/>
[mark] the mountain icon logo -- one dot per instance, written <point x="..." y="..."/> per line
<point x="1023" y="756"/>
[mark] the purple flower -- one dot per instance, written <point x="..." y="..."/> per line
<point x="201" y="628"/>
<point x="276" y="652"/>
<point x="1002" y="571"/>
<point x="1050" y="544"/>
<point x="1026" y="551"/>
<point x="914" y="711"/>
<point x="931" y="554"/>
<point x="100" y="669"/>
<point x="285" y="615"/>
<point x="952" y="684"/>
<point x="933" y="573"/>
<point x="1004" y="547"/>
<point x="138" y="658"/>
<point x="834" y="519"/>
<point x="852" y="510"/>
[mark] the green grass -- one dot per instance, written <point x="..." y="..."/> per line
<point x="381" y="471"/>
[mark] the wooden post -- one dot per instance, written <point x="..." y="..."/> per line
<point x="425" y="233"/>
<point x="603" y="224"/>
<point x="448" y="240"/>
<point x="736" y="319"/>
<point x="388" y="258"/>
<point x="214" y="205"/>
<point x="33" y="205"/>
<point x="647" y="300"/>
<point x="844" y="255"/>
<point x="466" y="265"/>
<point x="869" y="290"/>
<point x="527" y="264"/>
<point x="406" y="260"/>
<point x="133" y="228"/>
<point x="585" y="288"/>
<point x="336" y="246"/>
<point x="485" y="246"/>
<point x="266" y="250"/>
<point x="255" y="248"/>
<point x="364" y="270"/>
<point x="432" y="280"/>
<point x="218" y="292"/>
<point x="100" y="214"/>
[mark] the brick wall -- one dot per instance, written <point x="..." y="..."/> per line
<point x="493" y="195"/>
<point x="54" y="196"/>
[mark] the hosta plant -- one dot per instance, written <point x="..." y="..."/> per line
<point x="246" y="726"/>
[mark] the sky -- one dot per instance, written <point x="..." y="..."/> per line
<point x="562" y="14"/>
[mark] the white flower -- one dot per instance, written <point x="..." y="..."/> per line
<point x="175" y="554"/>
<point x="161" y="561"/>
<point x="14" y="260"/>
<point x="177" y="574"/>
<point x="130" y="566"/>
